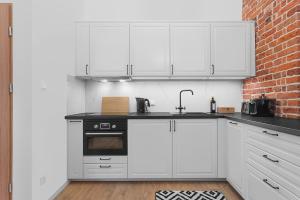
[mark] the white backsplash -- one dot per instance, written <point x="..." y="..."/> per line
<point x="165" y="94"/>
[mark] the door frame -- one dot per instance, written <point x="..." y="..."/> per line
<point x="6" y="152"/>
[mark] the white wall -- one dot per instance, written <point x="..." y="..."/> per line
<point x="166" y="94"/>
<point x="163" y="9"/>
<point x="53" y="50"/>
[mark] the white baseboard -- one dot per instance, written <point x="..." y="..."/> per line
<point x="59" y="190"/>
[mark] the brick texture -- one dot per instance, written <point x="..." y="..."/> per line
<point x="277" y="53"/>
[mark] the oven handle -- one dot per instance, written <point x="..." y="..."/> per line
<point x="104" y="133"/>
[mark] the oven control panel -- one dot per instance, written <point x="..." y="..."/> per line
<point x="105" y="125"/>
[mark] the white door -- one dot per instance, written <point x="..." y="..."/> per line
<point x="231" y="49"/>
<point x="109" y="49"/>
<point x="190" y="49"/>
<point x="235" y="154"/>
<point x="82" y="49"/>
<point x="195" y="148"/>
<point x="149" y="149"/>
<point x="149" y="49"/>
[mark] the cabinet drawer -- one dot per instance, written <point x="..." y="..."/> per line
<point x="262" y="187"/>
<point x="287" y="173"/>
<point x="105" y="159"/>
<point x="96" y="171"/>
<point x="281" y="145"/>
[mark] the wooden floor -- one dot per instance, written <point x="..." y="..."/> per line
<point x="137" y="190"/>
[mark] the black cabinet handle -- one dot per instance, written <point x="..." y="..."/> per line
<point x="272" y="134"/>
<point x="86" y="69"/>
<point x="266" y="157"/>
<point x="104" y="158"/>
<point x="269" y="184"/>
<point x="213" y="69"/>
<point x="174" y="125"/>
<point x="234" y="123"/>
<point x="131" y="66"/>
<point x="105" y="166"/>
<point x="127" y="67"/>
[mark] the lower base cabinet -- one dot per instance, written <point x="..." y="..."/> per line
<point x="162" y="148"/>
<point x="149" y="148"/>
<point x="261" y="187"/>
<point x="235" y="155"/>
<point x="195" y="148"/>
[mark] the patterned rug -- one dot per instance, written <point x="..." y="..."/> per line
<point x="189" y="195"/>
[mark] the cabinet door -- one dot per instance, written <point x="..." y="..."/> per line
<point x="149" y="50"/>
<point x="149" y="149"/>
<point x="190" y="49"/>
<point x="195" y="148"/>
<point x="109" y="49"/>
<point x="75" y="149"/>
<point x="82" y="49"/>
<point x="231" y="49"/>
<point x="235" y="155"/>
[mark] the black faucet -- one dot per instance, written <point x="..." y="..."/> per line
<point x="180" y="108"/>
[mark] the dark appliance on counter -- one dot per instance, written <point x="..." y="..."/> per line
<point x="142" y="105"/>
<point x="260" y="107"/>
<point x="105" y="137"/>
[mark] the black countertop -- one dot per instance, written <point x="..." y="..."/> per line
<point x="289" y="126"/>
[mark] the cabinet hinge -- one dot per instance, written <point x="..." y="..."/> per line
<point x="11" y="88"/>
<point x="10" y="188"/>
<point x="10" y="31"/>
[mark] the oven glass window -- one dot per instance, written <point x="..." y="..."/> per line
<point x="112" y="143"/>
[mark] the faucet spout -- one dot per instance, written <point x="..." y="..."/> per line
<point x="180" y="108"/>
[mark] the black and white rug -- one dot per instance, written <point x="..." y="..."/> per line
<point x="189" y="195"/>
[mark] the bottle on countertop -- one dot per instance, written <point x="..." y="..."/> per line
<point x="213" y="105"/>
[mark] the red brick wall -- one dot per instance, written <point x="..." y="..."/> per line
<point x="277" y="53"/>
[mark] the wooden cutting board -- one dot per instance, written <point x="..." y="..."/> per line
<point x="115" y="104"/>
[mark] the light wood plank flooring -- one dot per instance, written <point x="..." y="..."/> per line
<point x="137" y="190"/>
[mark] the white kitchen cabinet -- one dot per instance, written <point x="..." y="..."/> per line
<point x="75" y="149"/>
<point x="150" y="49"/>
<point x="190" y="49"/>
<point x="232" y="49"/>
<point x="82" y="49"/>
<point x="261" y="187"/>
<point x="109" y="48"/>
<point x="235" y="151"/>
<point x="195" y="148"/>
<point x="149" y="148"/>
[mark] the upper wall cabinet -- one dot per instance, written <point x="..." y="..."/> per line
<point x="166" y="50"/>
<point x="149" y="49"/>
<point x="231" y="49"/>
<point x="109" y="49"/>
<point x="190" y="49"/>
<point x="82" y="49"/>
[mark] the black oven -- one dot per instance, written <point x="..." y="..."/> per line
<point x="105" y="137"/>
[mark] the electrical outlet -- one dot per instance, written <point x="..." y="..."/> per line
<point x="43" y="180"/>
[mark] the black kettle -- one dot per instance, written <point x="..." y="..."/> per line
<point x="142" y="105"/>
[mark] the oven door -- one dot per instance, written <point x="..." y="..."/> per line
<point x="105" y="143"/>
